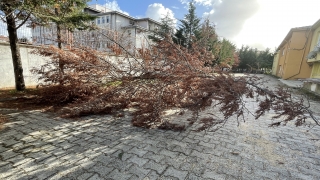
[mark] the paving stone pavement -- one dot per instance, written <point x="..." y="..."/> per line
<point x="37" y="145"/>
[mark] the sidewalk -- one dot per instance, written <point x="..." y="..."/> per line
<point x="292" y="83"/>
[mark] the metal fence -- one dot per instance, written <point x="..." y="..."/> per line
<point x="24" y="33"/>
<point x="102" y="39"/>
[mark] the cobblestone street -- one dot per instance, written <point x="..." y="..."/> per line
<point x="37" y="145"/>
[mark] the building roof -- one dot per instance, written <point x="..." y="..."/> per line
<point x="149" y="19"/>
<point x="316" y="25"/>
<point x="100" y="13"/>
<point x="287" y="38"/>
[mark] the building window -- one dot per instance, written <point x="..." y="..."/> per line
<point x="103" y="20"/>
<point x="98" y="21"/>
<point x="107" y="18"/>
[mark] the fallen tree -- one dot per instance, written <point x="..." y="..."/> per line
<point x="156" y="78"/>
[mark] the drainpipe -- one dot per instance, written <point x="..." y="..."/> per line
<point x="302" y="58"/>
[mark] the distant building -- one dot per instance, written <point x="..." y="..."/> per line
<point x="135" y="29"/>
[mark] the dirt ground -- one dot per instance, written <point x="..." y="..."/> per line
<point x="25" y="100"/>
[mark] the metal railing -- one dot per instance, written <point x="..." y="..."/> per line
<point x="24" y="34"/>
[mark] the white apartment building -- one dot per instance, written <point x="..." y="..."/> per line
<point x="136" y="29"/>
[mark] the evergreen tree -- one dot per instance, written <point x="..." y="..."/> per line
<point x="66" y="15"/>
<point x="265" y="59"/>
<point x="253" y="59"/>
<point x="189" y="27"/>
<point x="166" y="29"/>
<point x="226" y="54"/>
<point x="15" y="13"/>
<point x="248" y="58"/>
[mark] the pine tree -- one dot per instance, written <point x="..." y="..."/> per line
<point x="67" y="15"/>
<point x="15" y="14"/>
<point x="166" y="29"/>
<point x="189" y="27"/>
<point x="226" y="54"/>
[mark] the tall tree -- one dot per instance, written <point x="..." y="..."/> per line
<point x="189" y="27"/>
<point x="248" y="58"/>
<point x="166" y="29"/>
<point x="15" y="13"/>
<point x="265" y="59"/>
<point x="66" y="15"/>
<point x="226" y="56"/>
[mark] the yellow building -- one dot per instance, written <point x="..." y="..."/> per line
<point x="291" y="62"/>
<point x="313" y="83"/>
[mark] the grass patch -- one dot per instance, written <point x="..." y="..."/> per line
<point x="22" y="100"/>
<point x="114" y="83"/>
<point x="15" y="92"/>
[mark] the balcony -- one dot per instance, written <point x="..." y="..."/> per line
<point x="314" y="55"/>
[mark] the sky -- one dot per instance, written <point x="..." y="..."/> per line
<point x="257" y="23"/>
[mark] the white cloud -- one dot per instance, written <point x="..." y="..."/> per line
<point x="113" y="5"/>
<point x="201" y="2"/>
<point x="157" y="11"/>
<point x="275" y="19"/>
<point x="230" y="15"/>
<point x="206" y="2"/>
<point x="259" y="23"/>
<point x="184" y="1"/>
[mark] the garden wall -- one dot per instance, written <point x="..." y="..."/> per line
<point x="28" y="62"/>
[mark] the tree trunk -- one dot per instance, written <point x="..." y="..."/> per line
<point x="15" y="52"/>
<point x="59" y="36"/>
<point x="60" y="47"/>
<point x="59" y="41"/>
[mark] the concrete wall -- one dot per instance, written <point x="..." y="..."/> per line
<point x="312" y="86"/>
<point x="29" y="61"/>
<point x="143" y="23"/>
